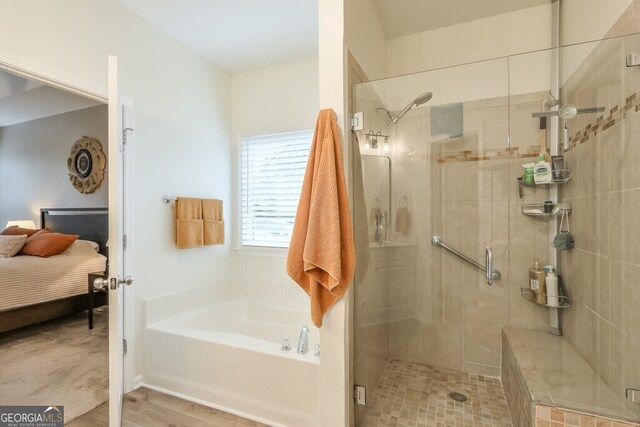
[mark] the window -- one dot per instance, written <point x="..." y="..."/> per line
<point x="272" y="170"/>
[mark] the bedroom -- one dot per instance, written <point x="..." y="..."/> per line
<point x="43" y="282"/>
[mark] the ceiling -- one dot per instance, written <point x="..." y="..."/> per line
<point x="22" y="100"/>
<point x="403" y="17"/>
<point x="241" y="35"/>
<point x="238" y="35"/>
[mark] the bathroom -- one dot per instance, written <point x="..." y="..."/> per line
<point x="208" y="324"/>
<point x="453" y="163"/>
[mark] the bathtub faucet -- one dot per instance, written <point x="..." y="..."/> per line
<point x="303" y="341"/>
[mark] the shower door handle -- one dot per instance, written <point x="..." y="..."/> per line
<point x="491" y="274"/>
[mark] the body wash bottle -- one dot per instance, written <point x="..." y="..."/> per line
<point x="536" y="281"/>
<point x="541" y="171"/>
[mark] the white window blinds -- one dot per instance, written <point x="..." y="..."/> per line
<point x="272" y="170"/>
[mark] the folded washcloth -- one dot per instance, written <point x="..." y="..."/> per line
<point x="321" y="255"/>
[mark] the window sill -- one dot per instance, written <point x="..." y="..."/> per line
<point x="262" y="251"/>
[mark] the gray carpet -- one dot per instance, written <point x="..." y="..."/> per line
<point x="60" y="362"/>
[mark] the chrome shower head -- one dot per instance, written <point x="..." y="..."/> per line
<point x="419" y="100"/>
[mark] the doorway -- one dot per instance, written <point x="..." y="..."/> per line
<point x="54" y="326"/>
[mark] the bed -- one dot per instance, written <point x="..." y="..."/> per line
<point x="34" y="289"/>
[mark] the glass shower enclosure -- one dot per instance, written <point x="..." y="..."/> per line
<point x="419" y="304"/>
<point x="427" y="322"/>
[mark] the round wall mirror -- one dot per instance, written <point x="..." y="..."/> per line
<point x="86" y="164"/>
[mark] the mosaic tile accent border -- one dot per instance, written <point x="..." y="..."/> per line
<point x="549" y="416"/>
<point x="616" y="116"/>
<point x="489" y="154"/>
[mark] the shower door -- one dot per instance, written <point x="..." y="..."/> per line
<point x="423" y="316"/>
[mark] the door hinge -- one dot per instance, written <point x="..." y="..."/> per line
<point x="124" y="346"/>
<point x="633" y="60"/>
<point x="360" y="394"/>
<point x="357" y="121"/>
<point x="124" y="138"/>
<point x="124" y="241"/>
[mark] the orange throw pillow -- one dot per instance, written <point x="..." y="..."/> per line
<point x="39" y="233"/>
<point x="47" y="244"/>
<point x="14" y="230"/>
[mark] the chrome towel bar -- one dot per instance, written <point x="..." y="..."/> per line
<point x="491" y="274"/>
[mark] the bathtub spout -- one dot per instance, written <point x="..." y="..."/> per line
<point x="303" y="341"/>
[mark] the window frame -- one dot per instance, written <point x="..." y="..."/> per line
<point x="270" y="251"/>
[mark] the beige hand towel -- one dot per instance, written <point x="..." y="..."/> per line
<point x="321" y="255"/>
<point x="212" y="209"/>
<point x="373" y="213"/>
<point x="213" y="222"/>
<point x="189" y="224"/>
<point x="188" y="208"/>
<point x="402" y="220"/>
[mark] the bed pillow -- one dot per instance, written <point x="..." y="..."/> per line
<point x="38" y="233"/>
<point x="14" y="230"/>
<point x="47" y="244"/>
<point x="94" y="245"/>
<point x="11" y="245"/>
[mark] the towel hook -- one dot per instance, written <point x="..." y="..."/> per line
<point x="404" y="199"/>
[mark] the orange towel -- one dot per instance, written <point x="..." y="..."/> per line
<point x="189" y="224"/>
<point x="213" y="223"/>
<point x="321" y="255"/>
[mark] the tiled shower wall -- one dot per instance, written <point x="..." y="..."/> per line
<point x="432" y="307"/>
<point x="602" y="274"/>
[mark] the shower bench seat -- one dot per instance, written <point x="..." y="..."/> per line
<point x="540" y="368"/>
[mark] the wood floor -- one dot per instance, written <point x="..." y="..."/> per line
<point x="59" y="361"/>
<point x="146" y="408"/>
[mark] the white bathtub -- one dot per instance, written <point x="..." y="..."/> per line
<point x="227" y="355"/>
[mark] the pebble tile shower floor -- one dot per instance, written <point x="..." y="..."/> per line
<point x="412" y="394"/>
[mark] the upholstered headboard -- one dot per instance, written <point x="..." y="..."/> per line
<point x="89" y="223"/>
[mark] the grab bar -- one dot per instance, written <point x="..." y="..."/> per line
<point x="491" y="274"/>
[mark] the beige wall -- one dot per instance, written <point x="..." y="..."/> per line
<point x="602" y="274"/>
<point x="606" y="19"/>
<point x="280" y="98"/>
<point x="589" y="20"/>
<point x="366" y="38"/>
<point x="181" y="143"/>
<point x="33" y="161"/>
<point x="497" y="36"/>
<point x="335" y="389"/>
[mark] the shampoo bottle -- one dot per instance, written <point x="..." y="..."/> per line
<point x="536" y="281"/>
<point x="552" y="289"/>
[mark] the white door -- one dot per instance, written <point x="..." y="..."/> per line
<point x="116" y="248"/>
